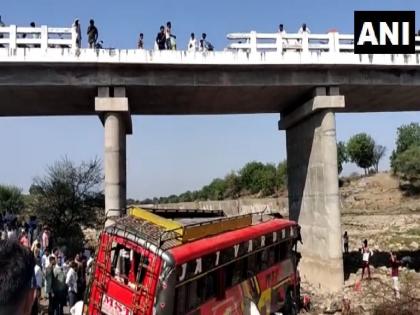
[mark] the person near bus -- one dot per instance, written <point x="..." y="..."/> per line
<point x="59" y="287"/>
<point x="49" y="284"/>
<point x="71" y="281"/>
<point x="395" y="264"/>
<point x="366" y="254"/>
<point x="346" y="242"/>
<point x="17" y="290"/>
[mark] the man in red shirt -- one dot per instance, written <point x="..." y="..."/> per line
<point x="395" y="264"/>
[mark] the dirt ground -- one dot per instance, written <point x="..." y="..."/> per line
<point x="375" y="209"/>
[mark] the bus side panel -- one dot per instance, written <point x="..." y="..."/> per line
<point x="266" y="290"/>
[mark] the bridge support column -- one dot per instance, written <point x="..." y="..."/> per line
<point x="313" y="187"/>
<point x="115" y="116"/>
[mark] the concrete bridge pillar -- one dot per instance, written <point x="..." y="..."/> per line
<point x="313" y="187"/>
<point x="113" y="109"/>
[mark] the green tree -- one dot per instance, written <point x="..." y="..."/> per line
<point x="249" y="175"/>
<point x="266" y="179"/>
<point x="68" y="197"/>
<point x="378" y="154"/>
<point x="407" y="166"/>
<point x="407" y="136"/>
<point x="281" y="175"/>
<point x="360" y="149"/>
<point x="342" y="156"/>
<point x="233" y="185"/>
<point x="11" y="199"/>
<point x="217" y="189"/>
<point x="186" y="197"/>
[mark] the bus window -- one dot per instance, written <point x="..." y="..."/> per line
<point x="283" y="250"/>
<point x="193" y="295"/>
<point x="180" y="300"/>
<point x="209" y="286"/>
<point x="252" y="265"/>
<point x="128" y="266"/>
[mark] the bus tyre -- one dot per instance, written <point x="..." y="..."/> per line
<point x="290" y="306"/>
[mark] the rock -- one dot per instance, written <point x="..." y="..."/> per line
<point x="414" y="245"/>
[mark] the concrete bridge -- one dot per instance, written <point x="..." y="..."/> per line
<point x="306" y="78"/>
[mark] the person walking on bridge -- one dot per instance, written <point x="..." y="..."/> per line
<point x="92" y="33"/>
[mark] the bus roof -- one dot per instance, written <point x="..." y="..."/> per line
<point x="185" y="252"/>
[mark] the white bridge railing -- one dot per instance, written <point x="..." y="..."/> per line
<point x="305" y="42"/>
<point x="37" y="37"/>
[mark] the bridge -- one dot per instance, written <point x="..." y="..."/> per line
<point x="306" y="78"/>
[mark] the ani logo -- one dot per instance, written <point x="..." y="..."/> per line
<point x="384" y="32"/>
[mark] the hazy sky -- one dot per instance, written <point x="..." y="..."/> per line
<point x="172" y="154"/>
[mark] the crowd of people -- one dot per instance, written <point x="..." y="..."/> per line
<point x="57" y="280"/>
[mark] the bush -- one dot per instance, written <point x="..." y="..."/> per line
<point x="407" y="167"/>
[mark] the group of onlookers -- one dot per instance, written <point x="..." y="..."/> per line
<point x="166" y="40"/>
<point x="57" y="280"/>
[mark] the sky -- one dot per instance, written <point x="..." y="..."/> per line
<point x="171" y="154"/>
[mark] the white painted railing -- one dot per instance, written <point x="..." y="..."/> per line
<point x="37" y="37"/>
<point x="305" y="42"/>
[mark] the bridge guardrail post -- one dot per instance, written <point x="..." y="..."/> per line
<point x="73" y="39"/>
<point x="305" y="42"/>
<point x="44" y="37"/>
<point x="12" y="36"/>
<point x="279" y="43"/>
<point x="333" y="42"/>
<point x="253" y="41"/>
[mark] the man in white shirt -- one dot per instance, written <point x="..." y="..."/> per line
<point x="192" y="44"/>
<point x="71" y="281"/>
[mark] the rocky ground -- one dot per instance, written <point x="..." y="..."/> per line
<point x="374" y="208"/>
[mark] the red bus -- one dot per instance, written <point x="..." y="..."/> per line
<point x="150" y="265"/>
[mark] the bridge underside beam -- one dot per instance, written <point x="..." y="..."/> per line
<point x="115" y="116"/>
<point x="313" y="188"/>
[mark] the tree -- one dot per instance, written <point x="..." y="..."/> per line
<point x="342" y="156"/>
<point x="67" y="197"/>
<point x="407" y="136"/>
<point x="11" y="199"/>
<point x="233" y="185"/>
<point x="281" y="175"/>
<point x="378" y="153"/>
<point x="407" y="166"/>
<point x="249" y="174"/>
<point x="360" y="148"/>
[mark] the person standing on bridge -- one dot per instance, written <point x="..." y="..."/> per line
<point x="140" y="44"/>
<point x="282" y="32"/>
<point x="160" y="39"/>
<point x="77" y="32"/>
<point x="304" y="29"/>
<point x="170" y="38"/>
<point x="192" y="44"/>
<point x="92" y="33"/>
